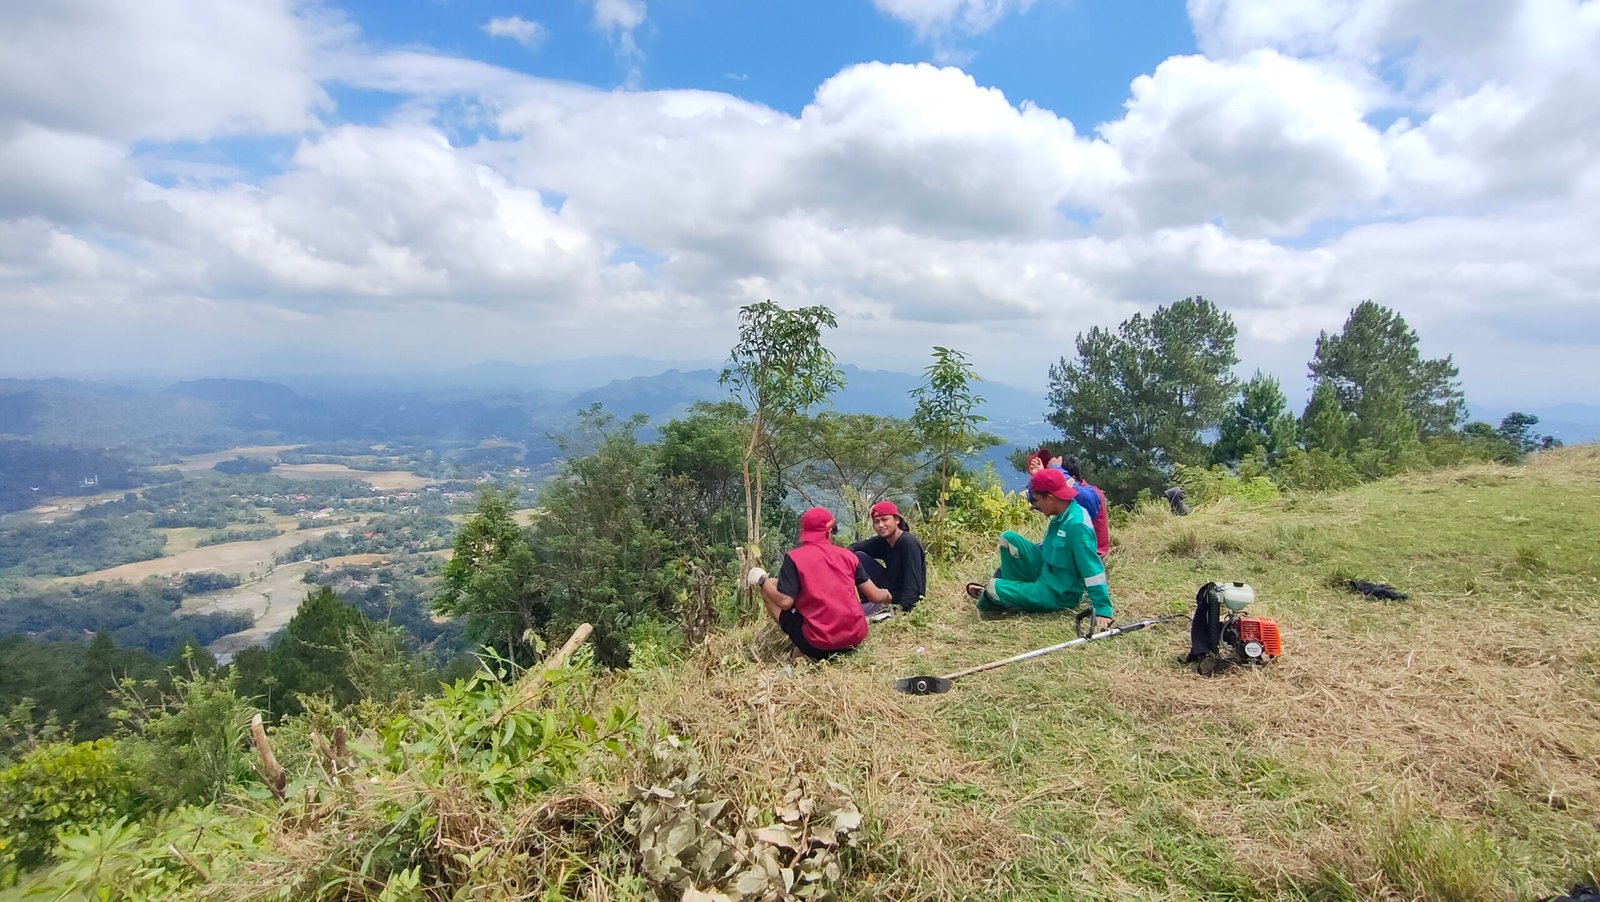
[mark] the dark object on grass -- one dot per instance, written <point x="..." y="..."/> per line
<point x="1379" y="590"/>
<point x="1582" y="892"/>
<point x="1205" y="628"/>
<point x="1175" y="498"/>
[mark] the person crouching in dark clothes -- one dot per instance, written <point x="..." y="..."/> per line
<point x="894" y="561"/>
<point x="814" y="600"/>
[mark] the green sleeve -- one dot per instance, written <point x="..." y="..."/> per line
<point x="1086" y="557"/>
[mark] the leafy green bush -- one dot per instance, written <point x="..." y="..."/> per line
<point x="977" y="510"/>
<point x="493" y="786"/>
<point x="190" y="745"/>
<point x="161" y="858"/>
<point x="58" y="785"/>
<point x="1201" y="484"/>
<point x="1314" y="471"/>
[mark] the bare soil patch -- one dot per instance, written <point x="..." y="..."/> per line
<point x="272" y="600"/>
<point x="385" y="480"/>
<point x="236" y="558"/>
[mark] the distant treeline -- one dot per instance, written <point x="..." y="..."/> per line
<point x="74" y="547"/>
<point x="31" y="473"/>
<point x="140" y="615"/>
<point x="238" y="466"/>
<point x="407" y="533"/>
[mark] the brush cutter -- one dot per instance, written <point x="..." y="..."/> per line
<point x="935" y="685"/>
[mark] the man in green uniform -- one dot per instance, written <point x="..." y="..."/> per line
<point x="1054" y="576"/>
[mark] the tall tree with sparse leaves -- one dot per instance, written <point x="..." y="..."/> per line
<point x="947" y="415"/>
<point x="1516" y="430"/>
<point x="778" y="369"/>
<point x="849" y="461"/>
<point x="1134" y="402"/>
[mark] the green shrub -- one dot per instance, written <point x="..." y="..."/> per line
<point x="1314" y="471"/>
<point x="189" y="746"/>
<point x="54" y="786"/>
<point x="168" y="857"/>
<point x="977" y="509"/>
<point x="1201" y="484"/>
<point x="653" y="643"/>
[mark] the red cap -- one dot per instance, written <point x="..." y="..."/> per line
<point x="815" y="525"/>
<point x="1051" y="481"/>
<point x="885" y="509"/>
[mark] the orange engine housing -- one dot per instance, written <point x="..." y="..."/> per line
<point x="1260" y="629"/>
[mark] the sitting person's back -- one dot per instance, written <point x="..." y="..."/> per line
<point x="814" y="598"/>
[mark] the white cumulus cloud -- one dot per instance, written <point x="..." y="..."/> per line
<point x="1312" y="156"/>
<point x="528" y="33"/>
<point x="935" y="18"/>
<point x="1265" y="143"/>
<point x="159" y="70"/>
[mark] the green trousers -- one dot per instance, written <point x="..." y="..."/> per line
<point x="1026" y="584"/>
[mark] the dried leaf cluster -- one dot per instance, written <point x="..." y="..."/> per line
<point x="693" y="842"/>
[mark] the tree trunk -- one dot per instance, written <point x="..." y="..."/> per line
<point x="944" y="484"/>
<point x="752" y="514"/>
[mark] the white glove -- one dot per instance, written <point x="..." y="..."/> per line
<point x="755" y="576"/>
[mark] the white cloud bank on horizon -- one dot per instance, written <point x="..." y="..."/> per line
<point x="1296" y="168"/>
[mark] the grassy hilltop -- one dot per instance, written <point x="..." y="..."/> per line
<point x="1443" y="747"/>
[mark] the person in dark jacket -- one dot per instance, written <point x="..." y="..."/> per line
<point x="1174" y="497"/>
<point x="813" y="600"/>
<point x="893" y="559"/>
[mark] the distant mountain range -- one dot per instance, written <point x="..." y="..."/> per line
<point x="524" y="403"/>
<point x="1013" y="413"/>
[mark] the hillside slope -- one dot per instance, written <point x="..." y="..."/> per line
<point x="1443" y="747"/>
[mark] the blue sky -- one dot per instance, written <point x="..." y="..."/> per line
<point x="442" y="182"/>
<point x="1075" y="58"/>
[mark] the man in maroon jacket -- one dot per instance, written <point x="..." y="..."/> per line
<point x="814" y="598"/>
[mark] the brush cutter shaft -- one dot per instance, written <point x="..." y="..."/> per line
<point x="1040" y="652"/>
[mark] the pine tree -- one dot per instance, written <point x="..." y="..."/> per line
<point x="1376" y="354"/>
<point x="1134" y="402"/>
<point x="312" y="654"/>
<point x="1258" y="421"/>
<point x="1325" y="426"/>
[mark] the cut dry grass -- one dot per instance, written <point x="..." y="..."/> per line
<point x="754" y="723"/>
<point x="1442" y="747"/>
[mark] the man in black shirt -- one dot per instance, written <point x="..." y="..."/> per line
<point x="903" y="572"/>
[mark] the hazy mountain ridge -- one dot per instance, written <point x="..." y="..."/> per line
<point x="491" y="400"/>
<point x="1013" y="413"/>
